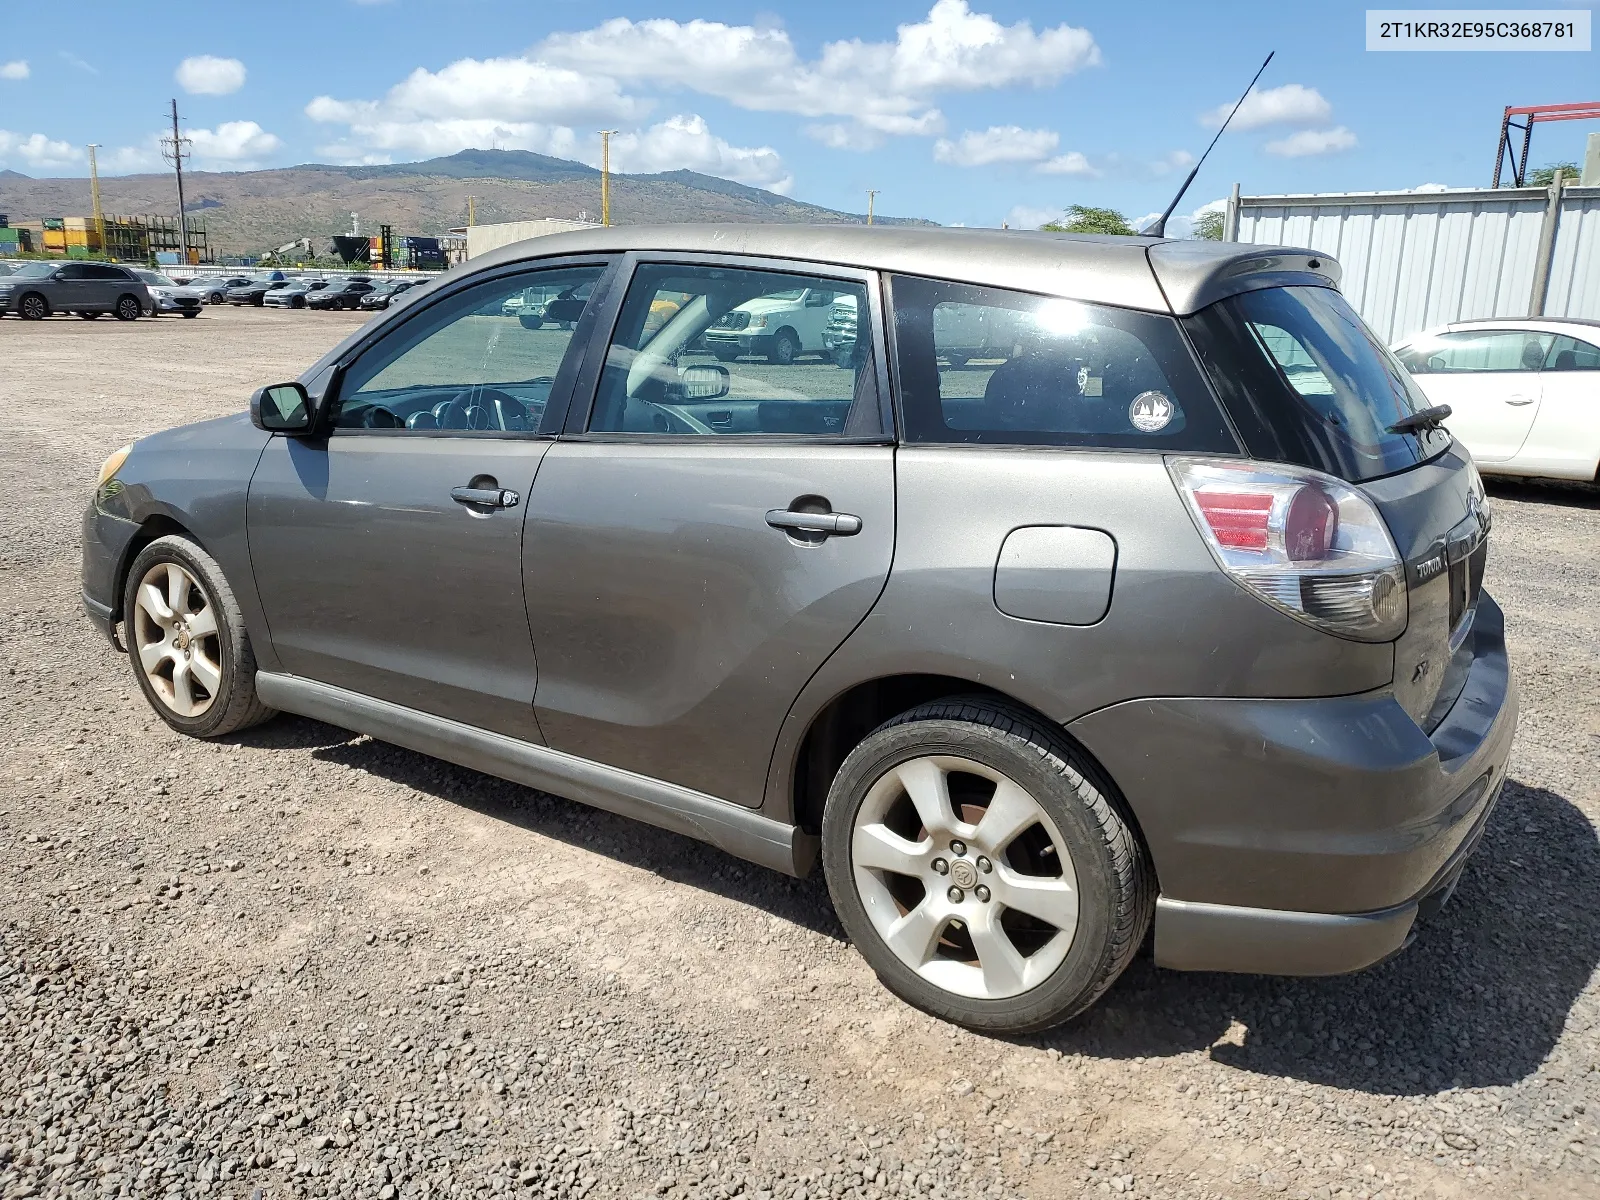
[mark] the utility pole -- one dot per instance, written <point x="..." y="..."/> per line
<point x="94" y="199"/>
<point x="871" y="196"/>
<point x="472" y="212"/>
<point x="175" y="149"/>
<point x="605" y="175"/>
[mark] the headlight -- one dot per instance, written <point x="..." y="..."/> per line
<point x="758" y="322"/>
<point x="113" y="464"/>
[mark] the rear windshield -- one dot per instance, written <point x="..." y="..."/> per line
<point x="989" y="365"/>
<point x="1307" y="382"/>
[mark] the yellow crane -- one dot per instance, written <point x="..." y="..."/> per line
<point x="94" y="199"/>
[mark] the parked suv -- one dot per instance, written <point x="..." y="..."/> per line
<point x="1169" y="609"/>
<point x="37" y="290"/>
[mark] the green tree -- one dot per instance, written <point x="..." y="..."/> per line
<point x="1546" y="175"/>
<point x="1209" y="226"/>
<point x="1080" y="218"/>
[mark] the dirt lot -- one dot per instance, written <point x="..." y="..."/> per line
<point x="311" y="963"/>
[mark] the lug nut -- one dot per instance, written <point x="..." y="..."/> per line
<point x="958" y="848"/>
<point x="982" y="893"/>
<point x="956" y="895"/>
<point x="984" y="864"/>
<point x="940" y="867"/>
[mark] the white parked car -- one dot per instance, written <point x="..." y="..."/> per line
<point x="1524" y="395"/>
<point x="169" y="296"/>
<point x="779" y="326"/>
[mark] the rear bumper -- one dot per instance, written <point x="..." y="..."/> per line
<point x="1306" y="836"/>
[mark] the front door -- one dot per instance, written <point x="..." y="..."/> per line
<point x="71" y="290"/>
<point x="702" y="541"/>
<point x="388" y="551"/>
<point x="1490" y="380"/>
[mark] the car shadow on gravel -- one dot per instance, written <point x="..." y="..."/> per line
<point x="1478" y="1000"/>
<point x="1560" y="492"/>
<point x="803" y="902"/>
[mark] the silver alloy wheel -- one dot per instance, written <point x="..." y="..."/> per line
<point x="976" y="899"/>
<point x="175" y="636"/>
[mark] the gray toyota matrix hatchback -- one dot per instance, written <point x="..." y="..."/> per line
<point x="1099" y="582"/>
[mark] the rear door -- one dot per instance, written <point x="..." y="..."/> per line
<point x="1490" y="378"/>
<point x="703" y="538"/>
<point x="1565" y="441"/>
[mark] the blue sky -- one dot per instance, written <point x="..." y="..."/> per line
<point x="964" y="111"/>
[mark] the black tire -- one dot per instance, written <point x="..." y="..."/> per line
<point x="33" y="307"/>
<point x="128" y="308"/>
<point x="89" y="316"/>
<point x="190" y="313"/>
<point x="844" y="356"/>
<point x="726" y="356"/>
<point x="528" y="321"/>
<point x="1115" y="884"/>
<point x="956" y="360"/>
<point x="785" y="346"/>
<point x="215" y="298"/>
<point x="235" y="705"/>
<point x="298" y="302"/>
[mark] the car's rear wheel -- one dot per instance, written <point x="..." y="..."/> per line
<point x="784" y="347"/>
<point x="128" y="308"/>
<point x="33" y="307"/>
<point x="980" y="869"/>
<point x="187" y="641"/>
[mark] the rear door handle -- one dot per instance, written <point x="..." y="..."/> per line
<point x="842" y="524"/>
<point x="1518" y="401"/>
<point x="486" y="497"/>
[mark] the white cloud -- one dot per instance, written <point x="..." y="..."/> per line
<point x="36" y="150"/>
<point x="131" y="160"/>
<point x="1291" y="104"/>
<point x="1070" y="163"/>
<point x="1175" y="160"/>
<point x="240" y="145"/>
<point x="16" y="69"/>
<point x="72" y="60"/>
<point x="1430" y="187"/>
<point x="1181" y="225"/>
<point x="686" y="142"/>
<point x="1025" y="216"/>
<point x="887" y="87"/>
<point x="836" y="135"/>
<point x="997" y="144"/>
<point x="207" y="75"/>
<point x="1308" y="142"/>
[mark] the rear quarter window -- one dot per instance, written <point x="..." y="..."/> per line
<point x="998" y="367"/>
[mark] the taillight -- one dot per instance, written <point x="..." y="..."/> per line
<point x="1304" y="542"/>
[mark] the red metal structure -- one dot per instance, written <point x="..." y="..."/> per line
<point x="1533" y="114"/>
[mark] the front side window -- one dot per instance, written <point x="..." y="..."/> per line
<point x="1307" y="382"/>
<point x="1569" y="354"/>
<point x="1476" y="351"/>
<point x="723" y="351"/>
<point x="987" y="365"/>
<point x="464" y="364"/>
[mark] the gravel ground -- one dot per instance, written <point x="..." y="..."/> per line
<point x="300" y="962"/>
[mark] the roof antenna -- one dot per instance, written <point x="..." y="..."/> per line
<point x="1158" y="227"/>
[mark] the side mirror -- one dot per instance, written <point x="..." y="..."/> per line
<point x="281" y="408"/>
<point x="700" y="382"/>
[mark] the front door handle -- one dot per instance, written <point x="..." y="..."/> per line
<point x="842" y="524"/>
<point x="1518" y="401"/>
<point x="486" y="497"/>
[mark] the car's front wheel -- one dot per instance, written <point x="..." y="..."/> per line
<point x="187" y="640"/>
<point x="785" y="346"/>
<point x="981" y="870"/>
<point x="190" y="312"/>
<point x="33" y="307"/>
<point x="90" y="316"/>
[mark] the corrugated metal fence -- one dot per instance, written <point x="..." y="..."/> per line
<point x="1417" y="259"/>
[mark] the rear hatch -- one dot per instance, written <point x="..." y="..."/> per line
<point x="1308" y="384"/>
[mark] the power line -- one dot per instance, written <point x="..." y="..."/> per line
<point x="175" y="149"/>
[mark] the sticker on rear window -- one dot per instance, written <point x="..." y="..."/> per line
<point x="1150" y="412"/>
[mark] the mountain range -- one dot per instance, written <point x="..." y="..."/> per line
<point x="247" y="212"/>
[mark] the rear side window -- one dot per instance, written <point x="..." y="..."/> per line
<point x="1569" y="354"/>
<point x="1477" y="351"/>
<point x="1307" y="382"/>
<point x="991" y="366"/>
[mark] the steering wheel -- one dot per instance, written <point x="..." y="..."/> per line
<point x="379" y="417"/>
